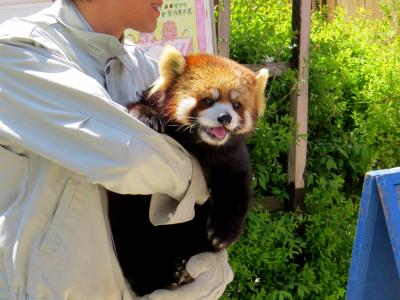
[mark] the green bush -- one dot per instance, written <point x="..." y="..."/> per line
<point x="354" y="82"/>
<point x="293" y="256"/>
<point x="260" y="30"/>
<point x="271" y="142"/>
<point x="354" y="112"/>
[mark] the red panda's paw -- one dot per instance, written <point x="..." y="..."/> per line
<point x="223" y="232"/>
<point x="149" y="117"/>
<point x="181" y="276"/>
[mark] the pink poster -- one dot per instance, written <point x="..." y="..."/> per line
<point x="185" y="24"/>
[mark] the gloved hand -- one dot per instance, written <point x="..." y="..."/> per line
<point x="211" y="273"/>
<point x="166" y="210"/>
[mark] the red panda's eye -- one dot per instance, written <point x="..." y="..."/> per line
<point x="208" y="101"/>
<point x="236" y="105"/>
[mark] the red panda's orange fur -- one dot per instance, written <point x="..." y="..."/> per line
<point x="218" y="72"/>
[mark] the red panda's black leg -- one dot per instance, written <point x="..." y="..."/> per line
<point x="148" y="115"/>
<point x="230" y="197"/>
<point x="148" y="110"/>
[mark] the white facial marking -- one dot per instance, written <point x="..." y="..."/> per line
<point x="234" y="94"/>
<point x="206" y="138"/>
<point x="215" y="94"/>
<point x="247" y="123"/>
<point x="184" y="108"/>
<point x="209" y="116"/>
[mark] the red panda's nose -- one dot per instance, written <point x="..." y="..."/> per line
<point x="224" y="118"/>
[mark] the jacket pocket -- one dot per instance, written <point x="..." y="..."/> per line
<point x="56" y="236"/>
<point x="13" y="174"/>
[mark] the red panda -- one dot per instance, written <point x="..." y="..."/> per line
<point x="208" y="104"/>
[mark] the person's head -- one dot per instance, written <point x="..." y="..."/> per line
<point x="114" y="16"/>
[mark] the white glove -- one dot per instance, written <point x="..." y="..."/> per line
<point x="211" y="273"/>
<point x="166" y="210"/>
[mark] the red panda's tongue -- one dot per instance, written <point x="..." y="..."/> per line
<point x="219" y="132"/>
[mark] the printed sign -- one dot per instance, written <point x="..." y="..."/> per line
<point x="375" y="264"/>
<point x="185" y="24"/>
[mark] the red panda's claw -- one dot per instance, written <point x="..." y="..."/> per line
<point x="223" y="237"/>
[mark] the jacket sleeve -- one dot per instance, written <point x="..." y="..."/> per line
<point x="50" y="107"/>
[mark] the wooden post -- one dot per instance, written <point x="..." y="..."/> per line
<point x="314" y="5"/>
<point x="331" y="9"/>
<point x="224" y="17"/>
<point x="301" y="21"/>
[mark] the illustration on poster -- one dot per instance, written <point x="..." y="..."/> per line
<point x="184" y="24"/>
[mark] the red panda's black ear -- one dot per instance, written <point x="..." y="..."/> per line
<point x="261" y="81"/>
<point x="172" y="64"/>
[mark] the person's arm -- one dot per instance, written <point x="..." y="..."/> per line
<point x="48" y="106"/>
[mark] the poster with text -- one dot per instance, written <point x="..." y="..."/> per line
<point x="185" y="24"/>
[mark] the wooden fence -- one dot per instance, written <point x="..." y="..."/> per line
<point x="350" y="6"/>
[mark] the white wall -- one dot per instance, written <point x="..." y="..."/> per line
<point x="20" y="8"/>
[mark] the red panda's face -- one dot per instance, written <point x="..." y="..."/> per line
<point x="215" y="97"/>
<point x="218" y="120"/>
<point x="215" y="112"/>
<point x="211" y="96"/>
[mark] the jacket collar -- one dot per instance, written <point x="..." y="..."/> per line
<point x="99" y="45"/>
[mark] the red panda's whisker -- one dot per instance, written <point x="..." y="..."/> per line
<point x="192" y="126"/>
<point x="181" y="127"/>
<point x="170" y="119"/>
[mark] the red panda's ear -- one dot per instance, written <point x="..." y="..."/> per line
<point x="261" y="81"/>
<point x="172" y="64"/>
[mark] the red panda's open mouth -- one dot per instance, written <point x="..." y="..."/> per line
<point x="218" y="132"/>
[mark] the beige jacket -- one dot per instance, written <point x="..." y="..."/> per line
<point x="64" y="137"/>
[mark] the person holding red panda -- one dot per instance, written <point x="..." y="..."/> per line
<point x="65" y="137"/>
